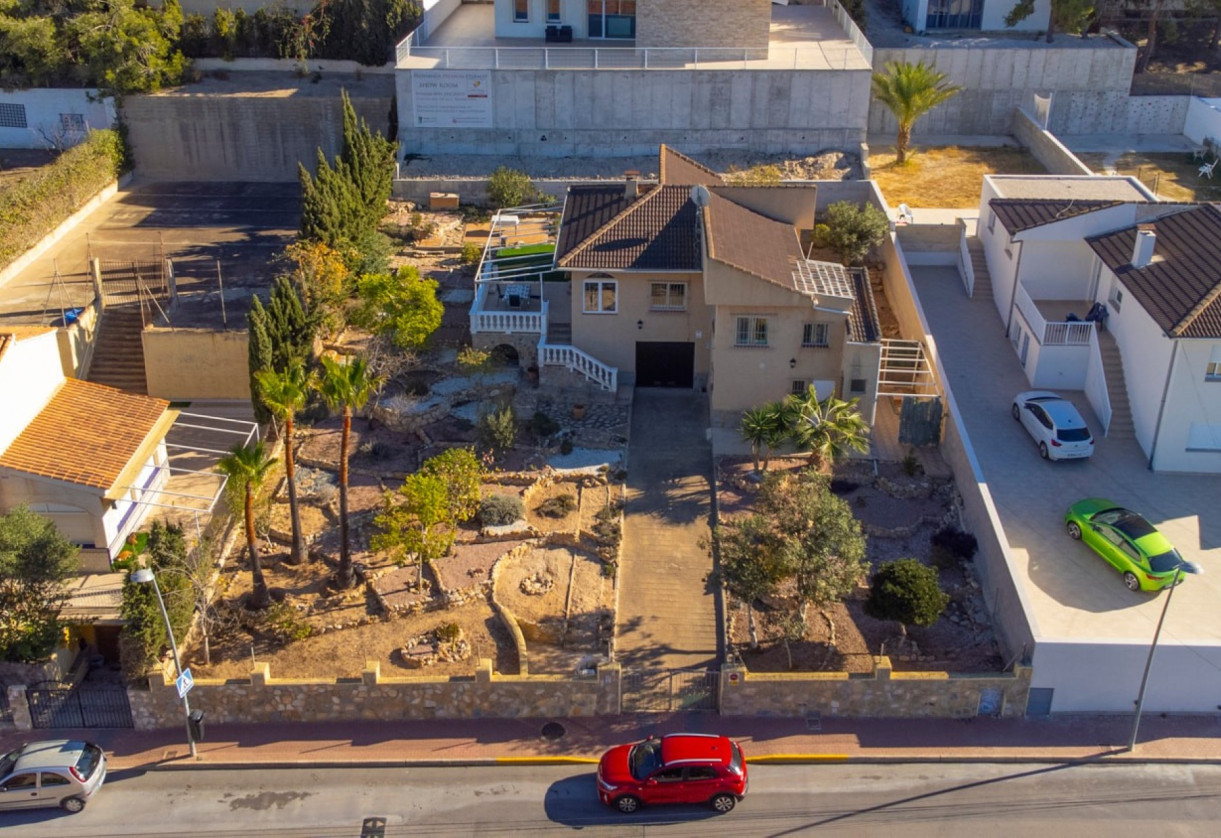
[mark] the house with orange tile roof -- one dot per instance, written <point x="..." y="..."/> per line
<point x="690" y="283"/>
<point x="84" y="455"/>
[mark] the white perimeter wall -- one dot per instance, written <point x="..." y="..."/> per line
<point x="42" y="113"/>
<point x="30" y="373"/>
<point x="1203" y="119"/>
<point x="1105" y="676"/>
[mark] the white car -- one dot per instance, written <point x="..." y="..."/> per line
<point x="1055" y="424"/>
<point x="58" y="772"/>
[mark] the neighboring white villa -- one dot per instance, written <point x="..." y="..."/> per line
<point x="1057" y="247"/>
<point x="985" y="15"/>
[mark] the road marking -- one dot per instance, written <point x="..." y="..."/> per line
<point x="797" y="758"/>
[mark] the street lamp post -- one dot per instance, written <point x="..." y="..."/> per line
<point x="145" y="575"/>
<point x="1144" y="679"/>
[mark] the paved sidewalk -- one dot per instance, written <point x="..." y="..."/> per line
<point x="444" y="742"/>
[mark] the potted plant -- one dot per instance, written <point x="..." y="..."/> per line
<point x="578" y="411"/>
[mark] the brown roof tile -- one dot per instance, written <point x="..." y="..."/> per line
<point x="680" y="170"/>
<point x="87" y="434"/>
<point x="751" y="242"/>
<point x="1018" y="214"/>
<point x="587" y="209"/>
<point x="658" y="231"/>
<point x="1181" y="288"/>
<point x="863" y="316"/>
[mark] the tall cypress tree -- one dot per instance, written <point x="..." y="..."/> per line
<point x="289" y="329"/>
<point x="370" y="163"/>
<point x="258" y="356"/>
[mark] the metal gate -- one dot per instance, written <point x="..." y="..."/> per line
<point x="920" y="421"/>
<point x="669" y="690"/>
<point x="79" y="707"/>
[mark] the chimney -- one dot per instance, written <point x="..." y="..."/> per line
<point x="1142" y="251"/>
<point x="630" y="183"/>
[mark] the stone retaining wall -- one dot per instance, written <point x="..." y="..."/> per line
<point x="884" y="694"/>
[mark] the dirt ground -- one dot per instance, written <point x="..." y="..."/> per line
<point x="1172" y="177"/>
<point x="945" y="176"/>
<point x="961" y="641"/>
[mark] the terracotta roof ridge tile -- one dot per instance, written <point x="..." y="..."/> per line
<point x="618" y="219"/>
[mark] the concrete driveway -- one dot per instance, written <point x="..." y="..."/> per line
<point x="667" y="608"/>
<point x="1074" y="597"/>
<point x="241" y="225"/>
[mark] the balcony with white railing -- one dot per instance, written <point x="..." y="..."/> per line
<point x="802" y="38"/>
<point x="1049" y="320"/>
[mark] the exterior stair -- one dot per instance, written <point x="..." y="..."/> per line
<point x="118" y="356"/>
<point x="982" y="289"/>
<point x="1121" y="426"/>
<point x="559" y="334"/>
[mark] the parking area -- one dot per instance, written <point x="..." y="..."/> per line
<point x="233" y="229"/>
<point x="1092" y="635"/>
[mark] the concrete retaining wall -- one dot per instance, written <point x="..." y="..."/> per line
<point x="561" y="113"/>
<point x="882" y="694"/>
<point x="186" y="364"/>
<point x="1111" y="112"/>
<point x="997" y="80"/>
<point x="220" y="131"/>
<point x="55" y="117"/>
<point x="1049" y="151"/>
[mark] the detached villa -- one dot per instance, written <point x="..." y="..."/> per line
<point x="1058" y="248"/>
<point x="687" y="283"/>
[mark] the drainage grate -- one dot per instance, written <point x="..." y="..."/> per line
<point x="553" y="730"/>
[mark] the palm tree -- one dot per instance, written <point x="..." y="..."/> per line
<point x="828" y="429"/>
<point x="763" y="427"/>
<point x="247" y="467"/>
<point x="284" y="394"/>
<point x="346" y="386"/>
<point x="910" y="91"/>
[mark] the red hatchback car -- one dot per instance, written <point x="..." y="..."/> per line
<point x="678" y="768"/>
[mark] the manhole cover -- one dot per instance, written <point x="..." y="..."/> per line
<point x="553" y="730"/>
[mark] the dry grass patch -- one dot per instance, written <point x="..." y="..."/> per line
<point x="1172" y="177"/>
<point x="946" y="176"/>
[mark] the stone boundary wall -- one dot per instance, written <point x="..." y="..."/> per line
<point x="883" y="694"/>
<point x="376" y="697"/>
<point x="1048" y="150"/>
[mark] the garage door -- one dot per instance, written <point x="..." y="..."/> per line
<point x="665" y="364"/>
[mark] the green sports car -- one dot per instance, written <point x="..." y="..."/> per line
<point x="1143" y="555"/>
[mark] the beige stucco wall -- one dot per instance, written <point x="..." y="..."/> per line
<point x="77" y="511"/>
<point x="792" y="204"/>
<point x="611" y="338"/>
<point x="885" y="694"/>
<point x="184" y="364"/>
<point x="743" y="377"/>
<point x="703" y="23"/>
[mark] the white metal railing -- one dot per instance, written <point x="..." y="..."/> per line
<point x="821" y="57"/>
<point x="1096" y="391"/>
<point x="1067" y="334"/>
<point x="574" y="359"/>
<point x="849" y="26"/>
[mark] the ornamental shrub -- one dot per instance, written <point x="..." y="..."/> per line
<point x="499" y="510"/>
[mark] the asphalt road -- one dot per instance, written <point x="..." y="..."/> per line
<point x="907" y="800"/>
<point x="241" y="225"/>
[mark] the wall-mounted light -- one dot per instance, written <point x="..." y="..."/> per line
<point x="792" y="363"/>
<point x="639" y="324"/>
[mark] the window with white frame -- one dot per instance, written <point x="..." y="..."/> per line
<point x="72" y="122"/>
<point x="1212" y="370"/>
<point x="1115" y="300"/>
<point x="815" y="334"/>
<point x="751" y="331"/>
<point x="521" y="11"/>
<point x="668" y="296"/>
<point x="553" y="11"/>
<point x="600" y="296"/>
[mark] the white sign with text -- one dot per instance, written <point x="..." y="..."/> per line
<point x="451" y="98"/>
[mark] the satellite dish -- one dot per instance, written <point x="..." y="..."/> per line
<point x="700" y="196"/>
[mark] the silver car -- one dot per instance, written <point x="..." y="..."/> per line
<point x="1055" y="424"/>
<point x="61" y="772"/>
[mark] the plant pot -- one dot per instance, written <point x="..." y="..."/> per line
<point x="578" y="411"/>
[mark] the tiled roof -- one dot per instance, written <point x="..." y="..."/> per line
<point x="1018" y="214"/>
<point x="587" y="209"/>
<point x="1181" y="287"/>
<point x="87" y="434"/>
<point x="658" y="231"/>
<point x="863" y="316"/>
<point x="680" y="170"/>
<point x="751" y="242"/>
